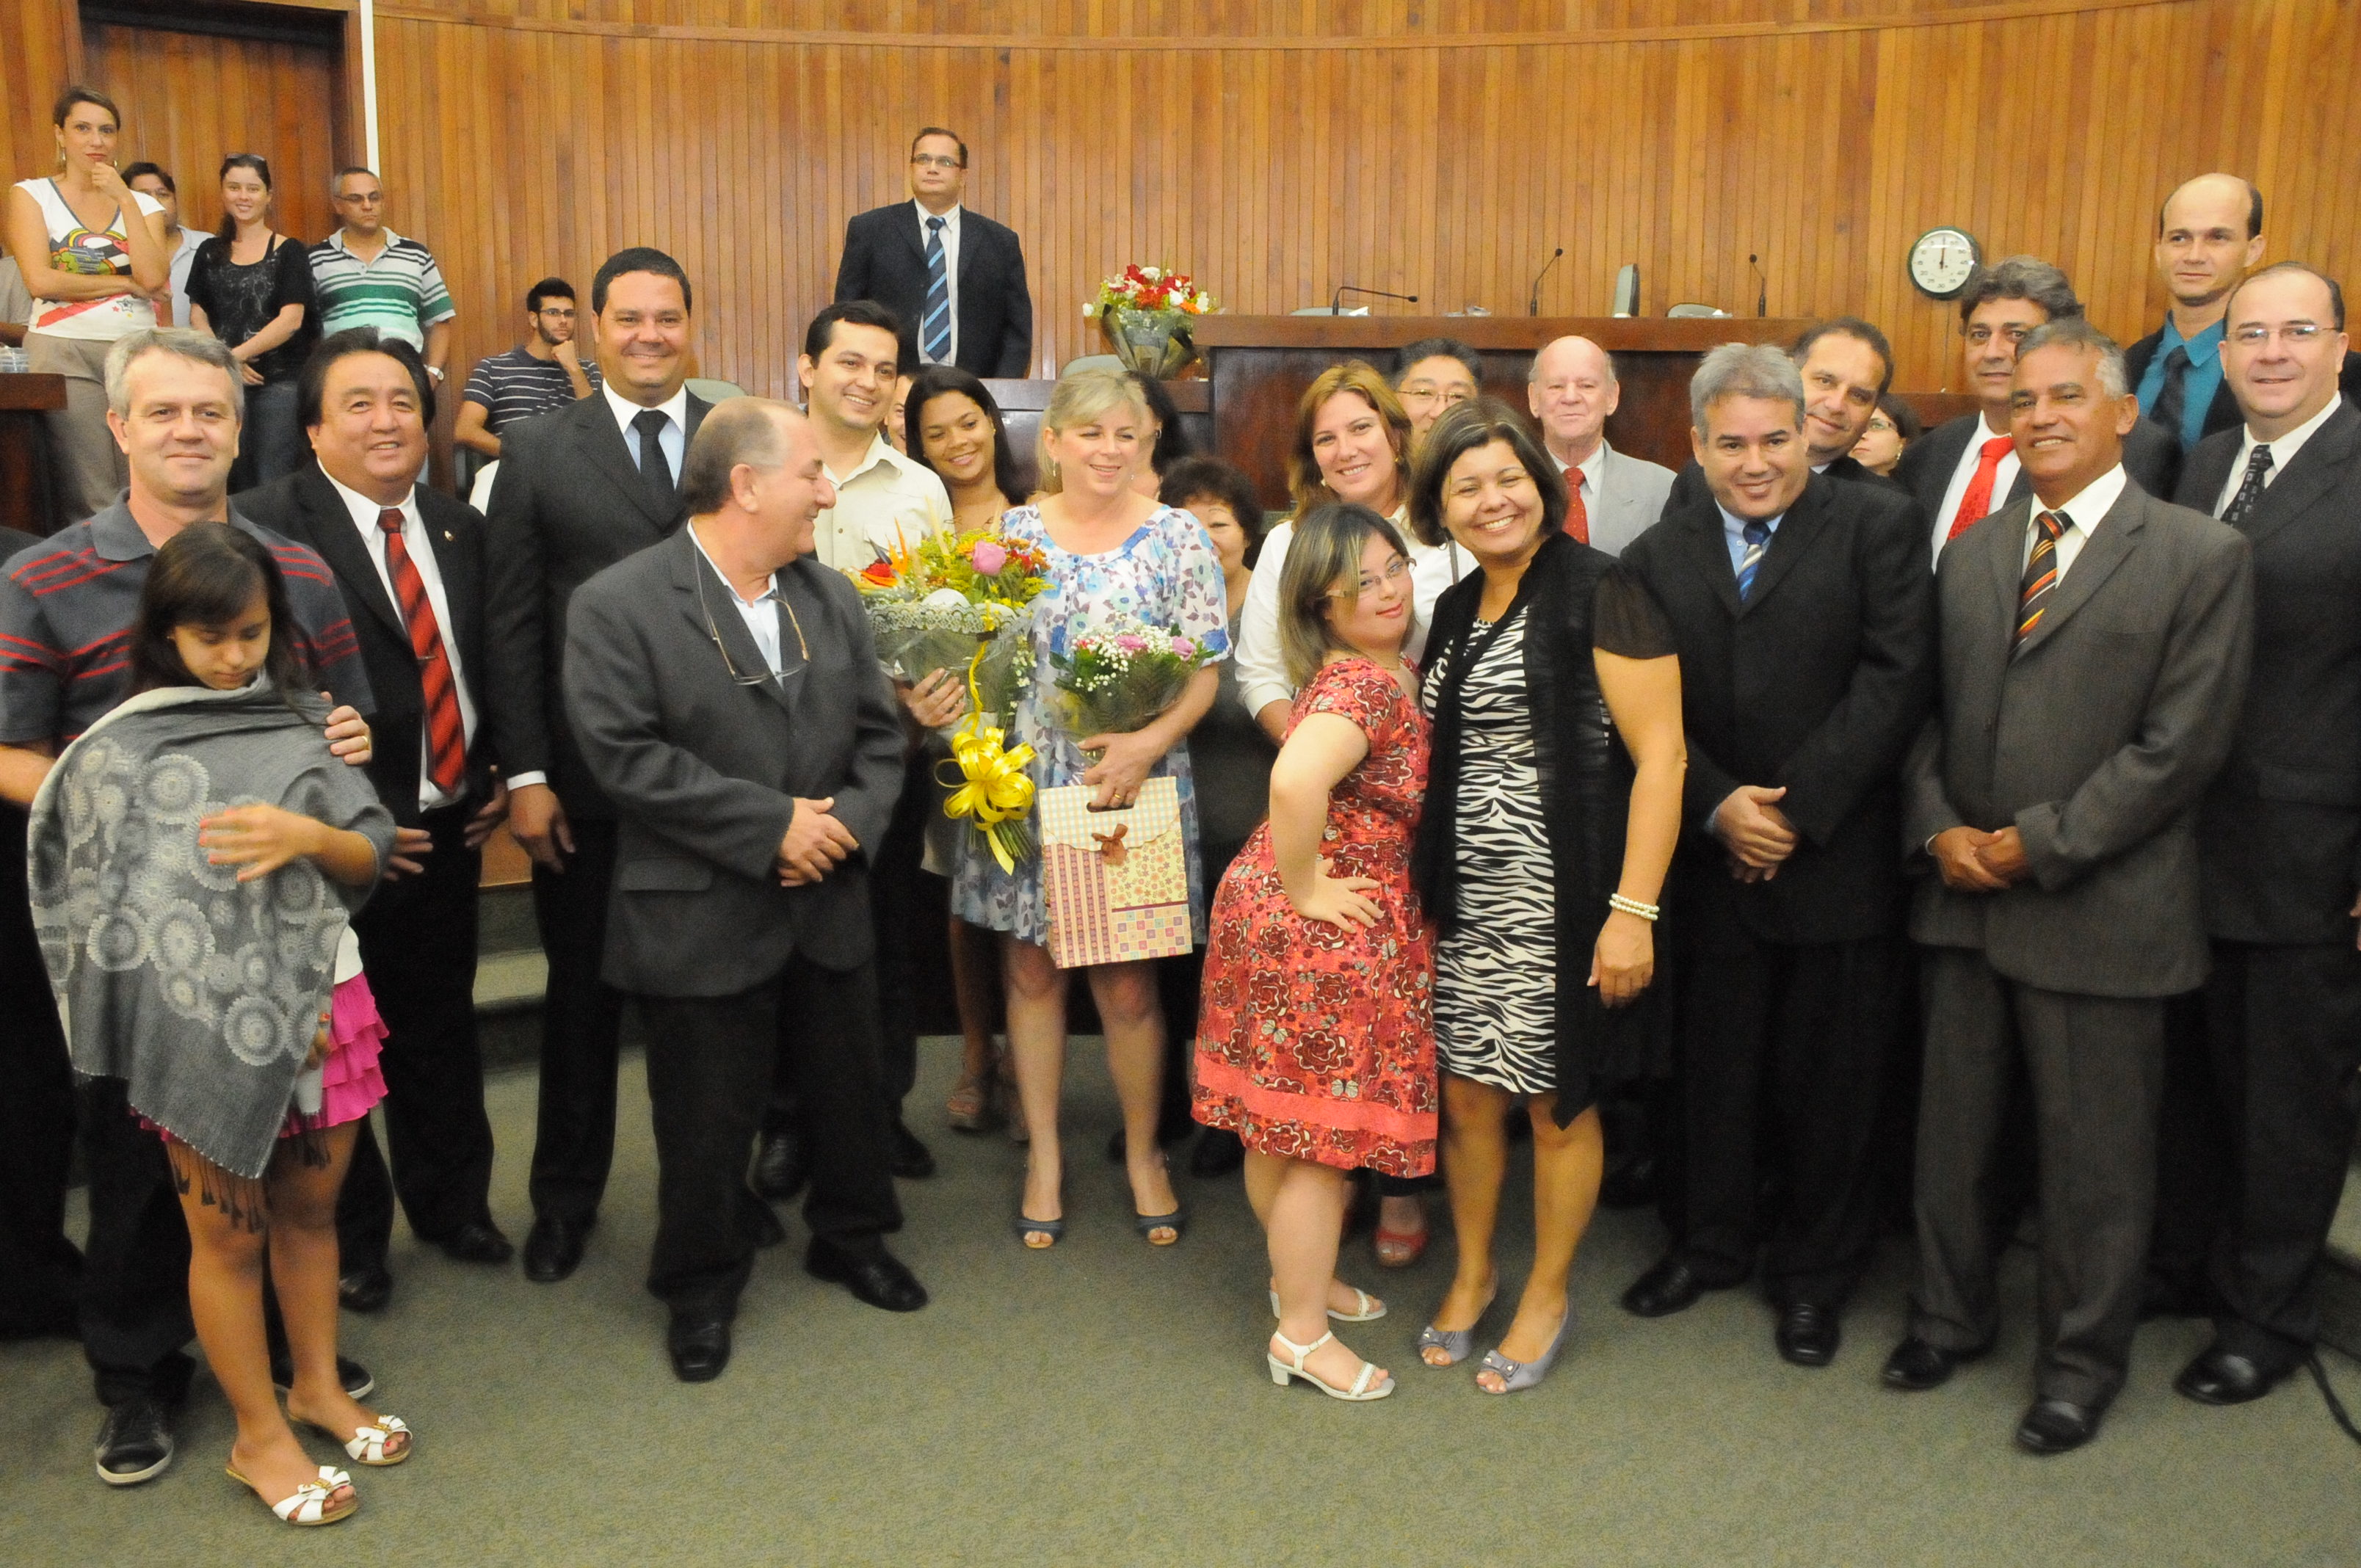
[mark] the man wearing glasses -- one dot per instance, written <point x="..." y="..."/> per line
<point x="727" y="700"/>
<point x="954" y="277"/>
<point x="366" y="275"/>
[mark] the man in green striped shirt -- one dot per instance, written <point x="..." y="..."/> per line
<point x="366" y="275"/>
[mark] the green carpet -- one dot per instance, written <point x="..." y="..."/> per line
<point x="1107" y="1403"/>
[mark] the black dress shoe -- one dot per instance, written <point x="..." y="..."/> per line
<point x="365" y="1289"/>
<point x="1671" y="1286"/>
<point x="878" y="1278"/>
<point x="358" y="1383"/>
<point x="780" y="1168"/>
<point x="1807" y="1334"/>
<point x="2222" y="1378"/>
<point x="2056" y="1426"/>
<point x="1219" y="1152"/>
<point x="699" y="1344"/>
<point x="553" y="1249"/>
<point x="478" y="1241"/>
<point x="910" y="1160"/>
<point x="1631" y="1185"/>
<point x="1916" y="1365"/>
<point x="135" y="1443"/>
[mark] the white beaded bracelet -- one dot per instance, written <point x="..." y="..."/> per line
<point x="1633" y="906"/>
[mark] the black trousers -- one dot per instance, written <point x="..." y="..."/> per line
<point x="1785" y="1044"/>
<point x="709" y="1067"/>
<point x="134" y="1300"/>
<point x="2096" y="1065"/>
<point x="2284" y="1026"/>
<point x="418" y="947"/>
<point x="39" y="1269"/>
<point x="897" y="905"/>
<point x="2195" y="1146"/>
<point x="581" y="1026"/>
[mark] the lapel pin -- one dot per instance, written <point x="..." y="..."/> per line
<point x="449" y="538"/>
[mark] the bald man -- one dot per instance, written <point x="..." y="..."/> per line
<point x="2208" y="232"/>
<point x="1571" y="391"/>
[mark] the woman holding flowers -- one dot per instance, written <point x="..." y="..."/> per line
<point x="1115" y="559"/>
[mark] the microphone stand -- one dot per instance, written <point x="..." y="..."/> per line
<point x="1336" y="300"/>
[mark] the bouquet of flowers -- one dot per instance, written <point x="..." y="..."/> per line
<point x="1118" y="679"/>
<point x="1138" y="287"/>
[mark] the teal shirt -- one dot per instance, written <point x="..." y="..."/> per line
<point x="2199" y="385"/>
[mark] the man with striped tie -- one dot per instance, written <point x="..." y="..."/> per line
<point x="410" y="564"/>
<point x="953" y="277"/>
<point x="2095" y="643"/>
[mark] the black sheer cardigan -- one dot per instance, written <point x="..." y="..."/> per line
<point x="1574" y="598"/>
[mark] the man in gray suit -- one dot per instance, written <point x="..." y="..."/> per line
<point x="1611" y="499"/>
<point x="2095" y="643"/>
<point x="726" y="696"/>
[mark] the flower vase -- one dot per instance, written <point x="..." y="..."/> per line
<point x="1153" y="342"/>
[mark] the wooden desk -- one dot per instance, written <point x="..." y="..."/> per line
<point x="1261" y="366"/>
<point x="1021" y="403"/>
<point x="27" y="493"/>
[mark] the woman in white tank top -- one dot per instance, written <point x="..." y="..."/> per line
<point x="92" y="253"/>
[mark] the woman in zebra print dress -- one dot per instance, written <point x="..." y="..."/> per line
<point x="1541" y="855"/>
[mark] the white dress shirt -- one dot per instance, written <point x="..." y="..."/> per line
<point x="950" y="276"/>
<point x="673" y="438"/>
<point x="889" y="500"/>
<point x="1262" y="668"/>
<point x="185" y="257"/>
<point x="2003" y="479"/>
<point x="2083" y="514"/>
<point x="761" y="614"/>
<point x="430" y="577"/>
<point x="1583" y="477"/>
<point x="2283" y="451"/>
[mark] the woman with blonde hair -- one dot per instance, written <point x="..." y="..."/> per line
<point x="1114" y="556"/>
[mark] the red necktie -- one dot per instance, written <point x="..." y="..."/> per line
<point x="1977" y="498"/>
<point x="446" y="737"/>
<point x="1578" y="516"/>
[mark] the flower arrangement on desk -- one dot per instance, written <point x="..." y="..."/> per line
<point x="958" y="601"/>
<point x="1145" y="313"/>
<point x="1123" y="677"/>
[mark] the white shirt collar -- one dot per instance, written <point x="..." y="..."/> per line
<point x="879" y="451"/>
<point x="364" y="511"/>
<point x="951" y="219"/>
<point x="1590" y="468"/>
<point x="675" y="408"/>
<point x="2087" y="509"/>
<point x="770" y="593"/>
<point x="2283" y="447"/>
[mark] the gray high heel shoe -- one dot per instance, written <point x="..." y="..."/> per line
<point x="1456" y="1343"/>
<point x="1521" y="1374"/>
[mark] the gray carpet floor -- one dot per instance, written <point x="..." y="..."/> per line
<point x="1107" y="1403"/>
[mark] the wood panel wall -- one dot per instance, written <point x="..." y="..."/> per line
<point x="1435" y="147"/>
<point x="191" y="99"/>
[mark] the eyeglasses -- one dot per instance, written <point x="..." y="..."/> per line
<point x="934" y="161"/>
<point x="802" y="647"/>
<point x="1396" y="569"/>
<point x="2254" y="334"/>
<point x="1427" y="392"/>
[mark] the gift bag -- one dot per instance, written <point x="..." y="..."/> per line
<point x="1117" y="882"/>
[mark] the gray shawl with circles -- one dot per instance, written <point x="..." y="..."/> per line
<point x="201" y="993"/>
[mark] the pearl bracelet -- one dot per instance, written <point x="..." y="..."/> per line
<point x="1633" y="906"/>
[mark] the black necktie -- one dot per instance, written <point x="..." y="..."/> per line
<point x="2250" y="489"/>
<point x="2173" y="395"/>
<point x="650" y="423"/>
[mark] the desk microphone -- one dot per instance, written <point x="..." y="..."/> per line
<point x="1762" y="295"/>
<point x="1533" y="305"/>
<point x="1337" y="298"/>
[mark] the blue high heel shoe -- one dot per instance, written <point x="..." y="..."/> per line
<point x="1520" y="1376"/>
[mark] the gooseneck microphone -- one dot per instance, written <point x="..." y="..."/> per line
<point x="1533" y="304"/>
<point x="1762" y="294"/>
<point x="1335" y="300"/>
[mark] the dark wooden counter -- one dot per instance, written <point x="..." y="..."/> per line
<point x="27" y="491"/>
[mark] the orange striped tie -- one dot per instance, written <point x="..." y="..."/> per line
<point x="446" y="736"/>
<point x="2041" y="575"/>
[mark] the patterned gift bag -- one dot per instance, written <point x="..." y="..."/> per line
<point x="1117" y="881"/>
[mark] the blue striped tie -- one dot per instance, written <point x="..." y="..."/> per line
<point x="1758" y="540"/>
<point x="935" y="332"/>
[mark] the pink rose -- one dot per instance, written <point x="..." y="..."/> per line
<point x="1131" y="644"/>
<point x="1183" y="648"/>
<point x="988" y="557"/>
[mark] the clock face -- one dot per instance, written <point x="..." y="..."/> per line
<point x="1941" y="262"/>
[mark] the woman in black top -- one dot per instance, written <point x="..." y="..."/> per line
<point x="1540" y="857"/>
<point x="251" y="288"/>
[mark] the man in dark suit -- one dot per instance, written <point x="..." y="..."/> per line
<point x="1847" y="364"/>
<point x="1967" y="469"/>
<point x="727" y="696"/>
<point x="410" y="564"/>
<point x="2095" y="643"/>
<point x="579" y="490"/>
<point x="2209" y="231"/>
<point x="1802" y="607"/>
<point x="955" y="276"/>
<point x="2280" y="834"/>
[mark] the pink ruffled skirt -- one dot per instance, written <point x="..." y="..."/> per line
<point x="350" y="1083"/>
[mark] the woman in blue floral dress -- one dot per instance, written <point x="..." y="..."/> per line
<point x="1115" y="555"/>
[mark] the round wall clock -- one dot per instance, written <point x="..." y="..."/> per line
<point x="1943" y="260"/>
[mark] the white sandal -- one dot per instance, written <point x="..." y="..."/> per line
<point x="367" y="1445"/>
<point x="309" y="1504"/>
<point x="1281" y="1373"/>
<point x="1366" y="1309"/>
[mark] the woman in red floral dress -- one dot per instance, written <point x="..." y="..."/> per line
<point x="1315" y="1043"/>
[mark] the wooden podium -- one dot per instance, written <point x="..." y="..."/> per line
<point x="1261" y="366"/>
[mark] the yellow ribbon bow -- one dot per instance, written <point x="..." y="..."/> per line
<point x="998" y="791"/>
